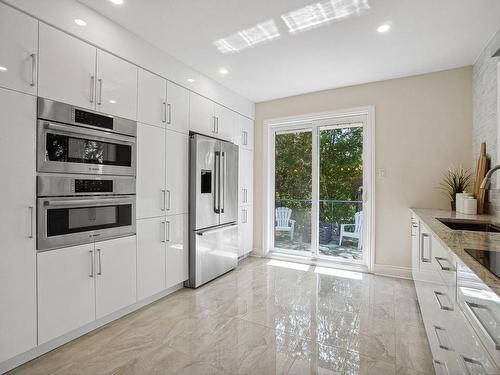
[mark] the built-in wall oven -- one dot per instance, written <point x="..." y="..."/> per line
<point x="75" y="140"/>
<point x="86" y="164"/>
<point x="79" y="209"/>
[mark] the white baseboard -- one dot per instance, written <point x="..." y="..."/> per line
<point x="61" y="340"/>
<point x="393" y="271"/>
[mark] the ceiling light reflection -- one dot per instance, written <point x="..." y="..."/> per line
<point x="250" y="37"/>
<point x="320" y="14"/>
<point x="3" y="69"/>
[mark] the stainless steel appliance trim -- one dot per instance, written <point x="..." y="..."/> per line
<point x="477" y="319"/>
<point x="217" y="182"/>
<point x="33" y="66"/>
<point x="215" y="230"/>
<point x="51" y="110"/>
<point x="96" y="134"/>
<point x="64" y="185"/>
<point x="82" y="202"/>
<point x="222" y="197"/>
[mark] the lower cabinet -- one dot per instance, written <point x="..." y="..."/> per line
<point x="162" y="253"/>
<point x="245" y="230"/>
<point x="78" y="284"/>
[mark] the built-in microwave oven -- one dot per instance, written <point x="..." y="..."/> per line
<point x="75" y="140"/>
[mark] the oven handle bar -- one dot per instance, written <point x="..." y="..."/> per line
<point x="93" y="133"/>
<point x="86" y="202"/>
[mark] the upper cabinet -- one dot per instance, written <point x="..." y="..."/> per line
<point x="224" y="122"/>
<point x="243" y="132"/>
<point x="116" y="86"/>
<point x="66" y="68"/>
<point x="201" y="115"/>
<point x="74" y="72"/>
<point x="178" y="108"/>
<point x="18" y="50"/>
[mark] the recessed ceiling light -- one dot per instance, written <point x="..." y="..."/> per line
<point x="80" y="22"/>
<point x="117" y="2"/>
<point x="3" y="69"/>
<point x="385" y="27"/>
<point x="112" y="101"/>
<point x="223" y="71"/>
<point x="191" y="80"/>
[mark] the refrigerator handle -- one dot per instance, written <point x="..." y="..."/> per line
<point x="217" y="182"/>
<point x="222" y="182"/>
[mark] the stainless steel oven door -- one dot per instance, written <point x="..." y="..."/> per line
<point x="74" y="149"/>
<point x="68" y="221"/>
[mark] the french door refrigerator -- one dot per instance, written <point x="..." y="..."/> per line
<point x="213" y="209"/>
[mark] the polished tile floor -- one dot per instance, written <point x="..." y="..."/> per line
<point x="266" y="317"/>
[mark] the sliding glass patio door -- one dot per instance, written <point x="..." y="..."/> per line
<point x="319" y="189"/>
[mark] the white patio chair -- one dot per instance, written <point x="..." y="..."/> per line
<point x="283" y="221"/>
<point x="357" y="231"/>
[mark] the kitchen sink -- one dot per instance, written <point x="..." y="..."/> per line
<point x="470" y="225"/>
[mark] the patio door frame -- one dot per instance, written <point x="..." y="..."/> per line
<point x="314" y="122"/>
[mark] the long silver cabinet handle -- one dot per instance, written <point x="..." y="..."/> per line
<point x="98" y="134"/>
<point x="468" y="362"/>
<point x="168" y="231"/>
<point x="218" y="229"/>
<point x="164" y="231"/>
<point x="444" y="268"/>
<point x="214" y="119"/>
<point x="84" y="202"/>
<point x="443" y="339"/>
<point x="217" y="125"/>
<point x="100" y="91"/>
<point x="222" y="185"/>
<point x="31" y="210"/>
<point x="169" y="106"/>
<point x="164" y="112"/>
<point x="479" y="321"/>
<point x="424" y="237"/>
<point x="33" y="66"/>
<point x="442" y="366"/>
<point x="168" y="199"/>
<point x="99" y="262"/>
<point x="91" y="271"/>
<point x="92" y="89"/>
<point x="164" y="199"/>
<point x="438" y="295"/>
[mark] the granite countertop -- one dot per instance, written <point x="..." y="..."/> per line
<point x="458" y="240"/>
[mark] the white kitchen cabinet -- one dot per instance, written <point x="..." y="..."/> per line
<point x="116" y="86"/>
<point x="201" y="115"/>
<point x="245" y="177"/>
<point x="115" y="269"/>
<point x="178" y="108"/>
<point x="151" y="240"/>
<point x="152" y="99"/>
<point x="224" y="120"/>
<point x="151" y="193"/>
<point x="66" y="68"/>
<point x="18" y="50"/>
<point x="245" y="230"/>
<point x="243" y="132"/>
<point x="176" y="250"/>
<point x="66" y="290"/>
<point x="177" y="150"/>
<point x="18" y="230"/>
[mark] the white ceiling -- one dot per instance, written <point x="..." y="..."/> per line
<point x="426" y="36"/>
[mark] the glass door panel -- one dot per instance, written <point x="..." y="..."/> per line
<point x="293" y="191"/>
<point x="340" y="227"/>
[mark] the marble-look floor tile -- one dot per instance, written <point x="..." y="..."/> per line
<point x="309" y="357"/>
<point x="412" y="349"/>
<point x="357" y="364"/>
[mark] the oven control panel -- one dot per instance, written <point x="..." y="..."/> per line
<point x="93" y="119"/>
<point x="93" y="186"/>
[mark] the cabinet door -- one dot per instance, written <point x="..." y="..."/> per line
<point x="66" y="290"/>
<point x="201" y="114"/>
<point x="177" y="173"/>
<point x="151" y="99"/>
<point x="151" y="194"/>
<point x="18" y="50"/>
<point x="245" y="230"/>
<point x="66" y="68"/>
<point x="178" y="108"/>
<point x="224" y="127"/>
<point x="151" y="239"/>
<point x="115" y="265"/>
<point x="116" y="86"/>
<point x="17" y="231"/>
<point x="246" y="176"/>
<point x="246" y="129"/>
<point x="177" y="250"/>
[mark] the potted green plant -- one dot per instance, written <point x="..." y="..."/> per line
<point x="456" y="180"/>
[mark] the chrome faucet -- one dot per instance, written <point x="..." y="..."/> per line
<point x="487" y="179"/>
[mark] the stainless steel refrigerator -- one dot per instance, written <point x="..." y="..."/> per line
<point x="213" y="209"/>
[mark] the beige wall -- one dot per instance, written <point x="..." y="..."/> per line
<point x="423" y="124"/>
